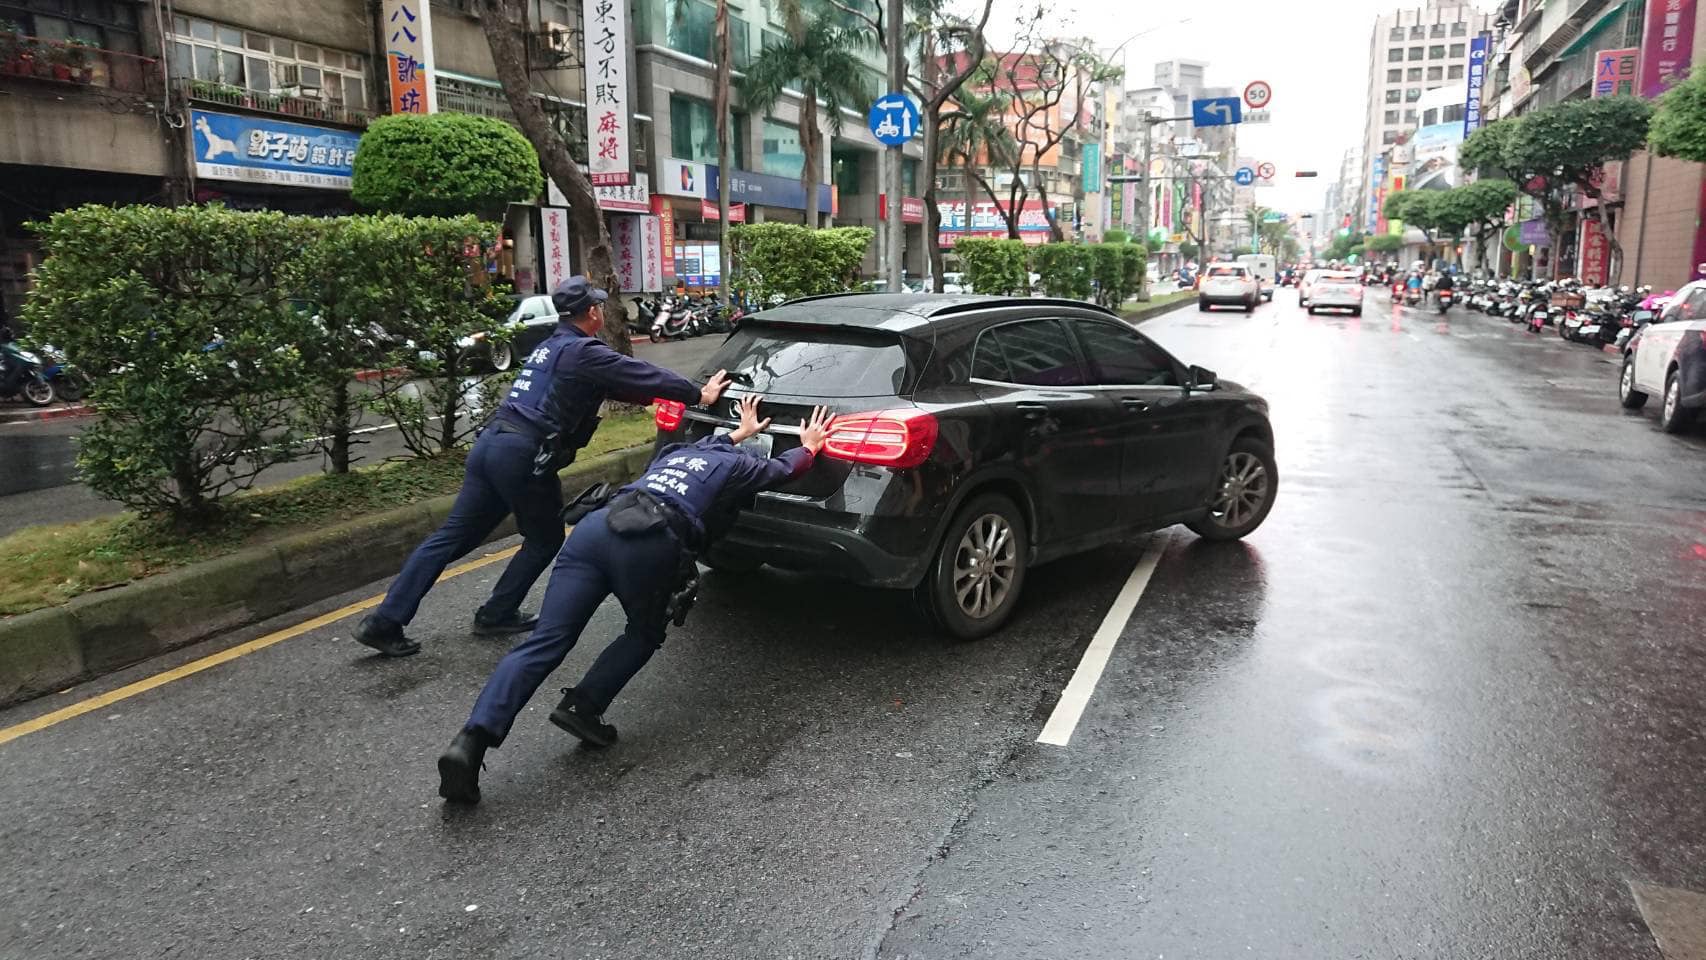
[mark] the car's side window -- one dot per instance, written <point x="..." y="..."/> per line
<point x="988" y="362"/>
<point x="1038" y="353"/>
<point x="1121" y="357"/>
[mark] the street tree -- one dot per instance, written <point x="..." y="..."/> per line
<point x="976" y="133"/>
<point x="444" y="165"/>
<point x="1051" y="82"/>
<point x="821" y="59"/>
<point x="1483" y="152"/>
<point x="1679" y="123"/>
<point x="1569" y="143"/>
<point x="505" y="25"/>
<point x="1483" y="205"/>
<point x="1383" y="243"/>
<point x="1415" y="208"/>
<point x="950" y="51"/>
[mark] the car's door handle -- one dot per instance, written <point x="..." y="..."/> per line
<point x="1135" y="405"/>
<point x="1031" y="408"/>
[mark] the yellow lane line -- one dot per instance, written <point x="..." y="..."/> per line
<point x="215" y="659"/>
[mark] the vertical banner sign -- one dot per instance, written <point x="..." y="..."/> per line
<point x="652" y="275"/>
<point x="665" y="212"/>
<point x="626" y="238"/>
<point x="554" y="241"/>
<point x="1092" y="172"/>
<point x="1615" y="71"/>
<point x="1667" y="46"/>
<point x="408" y="56"/>
<point x="1477" y="75"/>
<point x="1376" y="195"/>
<point x="605" y="24"/>
<point x="1595" y="254"/>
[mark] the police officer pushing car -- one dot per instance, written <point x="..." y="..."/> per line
<point x="635" y="547"/>
<point x="549" y="415"/>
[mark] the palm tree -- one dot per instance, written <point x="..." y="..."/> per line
<point x="821" y="61"/>
<point x="976" y="127"/>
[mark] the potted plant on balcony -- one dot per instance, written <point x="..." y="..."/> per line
<point x="79" y="59"/>
<point x="11" y="48"/>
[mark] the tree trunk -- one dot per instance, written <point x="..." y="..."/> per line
<point x="932" y="213"/>
<point x="811" y="144"/>
<point x="504" y="23"/>
<point x="1055" y="233"/>
<point x="1017" y="194"/>
<point x="725" y="61"/>
<point x="339" y="450"/>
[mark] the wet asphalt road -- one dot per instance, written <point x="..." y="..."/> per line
<point x="1445" y="703"/>
<point x="38" y="460"/>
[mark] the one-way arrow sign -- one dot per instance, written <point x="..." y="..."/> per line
<point x="1217" y="111"/>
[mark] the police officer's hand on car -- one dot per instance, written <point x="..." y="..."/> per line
<point x="714" y="388"/>
<point x="814" y="431"/>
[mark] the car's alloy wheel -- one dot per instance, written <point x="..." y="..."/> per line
<point x="1674" y="418"/>
<point x="1631" y="398"/>
<point x="503" y="357"/>
<point x="973" y="582"/>
<point x="1243" y="492"/>
<point x="984" y="564"/>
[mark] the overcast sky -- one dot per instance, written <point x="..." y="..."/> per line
<point x="1313" y="52"/>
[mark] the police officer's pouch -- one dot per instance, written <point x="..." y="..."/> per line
<point x="586" y="502"/>
<point x="632" y="514"/>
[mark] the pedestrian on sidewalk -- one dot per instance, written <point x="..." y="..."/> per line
<point x="549" y="415"/>
<point x="638" y="548"/>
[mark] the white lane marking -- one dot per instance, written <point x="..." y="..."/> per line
<point x="1076" y="696"/>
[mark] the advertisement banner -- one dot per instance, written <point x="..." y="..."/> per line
<point x="684" y="178"/>
<point x="987" y="221"/>
<point x="554" y="243"/>
<point x="1667" y="45"/>
<point x="408" y="56"/>
<point x="1533" y="233"/>
<point x="1477" y="75"/>
<point x="605" y="26"/>
<point x="1433" y="156"/>
<point x="652" y="275"/>
<point x="262" y="150"/>
<point x="634" y="197"/>
<point x="1595" y="254"/>
<point x="772" y="191"/>
<point x="1376" y="193"/>
<point x="708" y="211"/>
<point x="1092" y="171"/>
<point x="1615" y="71"/>
<point x="911" y="208"/>
<point x="665" y="212"/>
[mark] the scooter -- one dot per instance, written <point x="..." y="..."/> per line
<point x="1444" y="298"/>
<point x="670" y="323"/>
<point x="21" y="376"/>
<point x="69" y="383"/>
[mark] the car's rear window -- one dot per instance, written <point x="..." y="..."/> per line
<point x="804" y="362"/>
<point x="1226" y="271"/>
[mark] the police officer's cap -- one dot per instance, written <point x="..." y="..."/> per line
<point x="574" y="295"/>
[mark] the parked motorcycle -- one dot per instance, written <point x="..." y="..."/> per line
<point x="21" y="376"/>
<point x="670" y="322"/>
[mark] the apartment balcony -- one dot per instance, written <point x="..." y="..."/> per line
<point x="61" y="65"/>
<point x="296" y="107"/>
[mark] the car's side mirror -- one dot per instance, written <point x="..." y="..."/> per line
<point x="1202" y="378"/>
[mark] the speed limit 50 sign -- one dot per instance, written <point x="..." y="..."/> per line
<point x="1257" y="94"/>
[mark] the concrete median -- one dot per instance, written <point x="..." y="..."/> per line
<point x="49" y="649"/>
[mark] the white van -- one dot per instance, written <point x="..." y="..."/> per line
<point x="1265" y="271"/>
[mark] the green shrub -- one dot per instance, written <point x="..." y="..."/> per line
<point x="182" y="317"/>
<point x="996" y="267"/>
<point x="1064" y="269"/>
<point x="444" y="164"/>
<point x="790" y="260"/>
<point x="1116" y="236"/>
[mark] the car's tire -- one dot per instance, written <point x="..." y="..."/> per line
<point x="987" y="536"/>
<point x="1356" y="311"/>
<point x="501" y="356"/>
<point x="1631" y="398"/>
<point x="1202" y="306"/>
<point x="1244" y="489"/>
<point x="38" y="392"/>
<point x="1673" y="416"/>
<point x="1312" y="311"/>
<point x="1250" y="306"/>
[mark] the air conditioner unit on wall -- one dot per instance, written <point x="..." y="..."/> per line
<point x="559" y="37"/>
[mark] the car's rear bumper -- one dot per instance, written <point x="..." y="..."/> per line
<point x="1329" y="303"/>
<point x="1225" y="299"/>
<point x="869" y="551"/>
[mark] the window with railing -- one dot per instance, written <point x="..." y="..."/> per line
<point x="91" y="44"/>
<point x="228" y="61"/>
<point x="690" y="27"/>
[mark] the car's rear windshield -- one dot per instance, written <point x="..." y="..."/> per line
<point x="1226" y="271"/>
<point x="787" y="360"/>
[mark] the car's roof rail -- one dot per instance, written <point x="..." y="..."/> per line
<point x="821" y="296"/>
<point x="993" y="302"/>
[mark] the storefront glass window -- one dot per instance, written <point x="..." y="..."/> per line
<point x="909" y="178"/>
<point x="220" y="54"/>
<point x="782" y="156"/>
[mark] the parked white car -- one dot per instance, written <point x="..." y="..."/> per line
<point x="1337" y="290"/>
<point x="1228" y="285"/>
<point x="1668" y="358"/>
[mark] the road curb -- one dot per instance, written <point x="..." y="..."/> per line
<point x="48" y="413"/>
<point x="97" y="633"/>
<point x="1142" y="314"/>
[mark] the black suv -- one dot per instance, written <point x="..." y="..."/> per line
<point x="976" y="436"/>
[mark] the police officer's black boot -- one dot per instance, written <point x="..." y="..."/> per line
<point x="459" y="767"/>
<point x="386" y="637"/>
<point x="515" y="621"/>
<point x="591" y="728"/>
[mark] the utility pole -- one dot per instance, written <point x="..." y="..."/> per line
<point x="897" y="82"/>
<point x="1143" y="199"/>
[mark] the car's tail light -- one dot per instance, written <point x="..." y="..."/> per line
<point x="889" y="438"/>
<point x="669" y="414"/>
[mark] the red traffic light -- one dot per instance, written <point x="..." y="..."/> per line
<point x="1305" y="173"/>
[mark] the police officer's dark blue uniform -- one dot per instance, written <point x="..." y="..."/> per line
<point x="632" y="548"/>
<point x="550" y="413"/>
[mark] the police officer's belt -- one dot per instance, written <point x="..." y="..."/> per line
<point x="636" y="512"/>
<point x="503" y="425"/>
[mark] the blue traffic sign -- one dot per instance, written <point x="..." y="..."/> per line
<point x="1217" y="111"/>
<point x="1244" y="176"/>
<point x="894" y="119"/>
